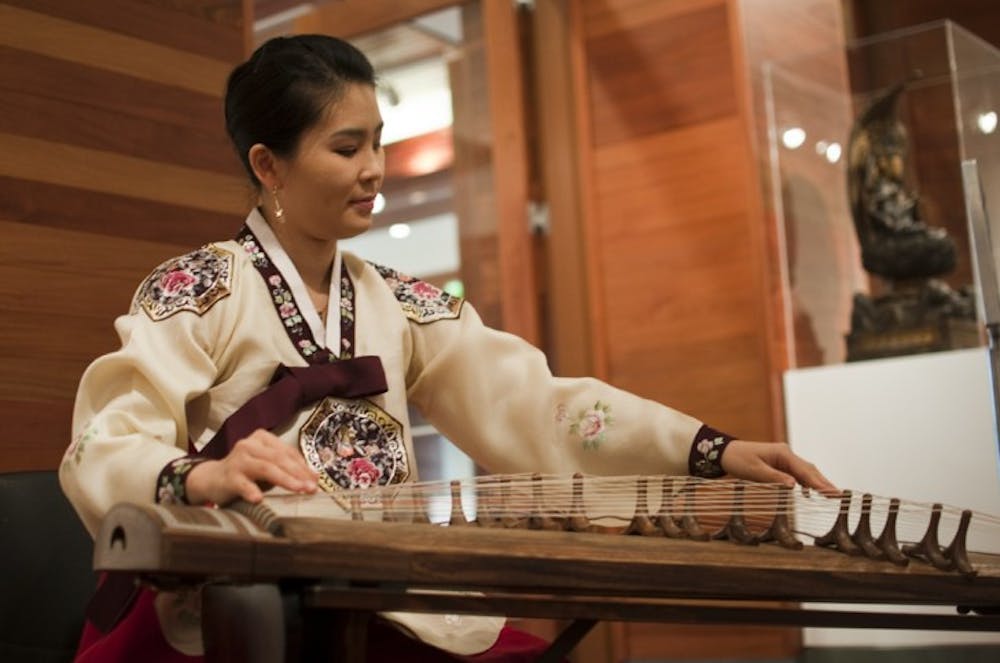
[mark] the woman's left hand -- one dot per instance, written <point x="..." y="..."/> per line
<point x="772" y="462"/>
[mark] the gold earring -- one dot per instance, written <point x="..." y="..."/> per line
<point x="279" y="214"/>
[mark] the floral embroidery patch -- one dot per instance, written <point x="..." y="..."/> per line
<point x="170" y="488"/>
<point x="354" y="444"/>
<point x="346" y="314"/>
<point x="420" y="301"/>
<point x="79" y="444"/>
<point x="589" y="425"/>
<point x="706" y="453"/>
<point x="192" y="282"/>
<point x="288" y="310"/>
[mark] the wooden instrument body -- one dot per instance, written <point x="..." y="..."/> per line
<point x="391" y="565"/>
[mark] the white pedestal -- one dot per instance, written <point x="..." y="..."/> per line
<point x="919" y="428"/>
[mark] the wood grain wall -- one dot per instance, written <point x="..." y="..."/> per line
<point x="684" y="297"/>
<point x="675" y="282"/>
<point x="113" y="157"/>
<point x="867" y="17"/>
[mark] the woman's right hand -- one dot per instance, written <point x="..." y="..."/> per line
<point x="257" y="460"/>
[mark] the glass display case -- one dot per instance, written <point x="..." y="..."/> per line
<point x="866" y="144"/>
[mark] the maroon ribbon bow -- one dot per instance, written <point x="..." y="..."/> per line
<point x="290" y="390"/>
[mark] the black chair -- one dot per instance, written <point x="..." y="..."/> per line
<point x="45" y="562"/>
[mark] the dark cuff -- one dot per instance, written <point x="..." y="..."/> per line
<point x="170" y="488"/>
<point x="705" y="459"/>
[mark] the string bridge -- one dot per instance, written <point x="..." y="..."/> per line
<point x="685" y="508"/>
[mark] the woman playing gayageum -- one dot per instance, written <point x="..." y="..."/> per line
<point x="188" y="409"/>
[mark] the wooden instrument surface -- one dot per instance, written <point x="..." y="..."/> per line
<point x="203" y="543"/>
<point x="617" y="548"/>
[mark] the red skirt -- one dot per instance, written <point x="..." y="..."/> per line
<point x="138" y="638"/>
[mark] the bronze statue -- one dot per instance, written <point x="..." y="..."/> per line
<point x="919" y="313"/>
<point x="895" y="242"/>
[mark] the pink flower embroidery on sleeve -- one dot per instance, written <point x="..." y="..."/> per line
<point x="591" y="425"/>
<point x="79" y="444"/>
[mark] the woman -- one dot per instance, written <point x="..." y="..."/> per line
<point x="195" y="406"/>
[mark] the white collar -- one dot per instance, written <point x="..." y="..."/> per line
<point x="330" y="337"/>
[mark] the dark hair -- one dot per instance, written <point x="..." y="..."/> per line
<point x="281" y="91"/>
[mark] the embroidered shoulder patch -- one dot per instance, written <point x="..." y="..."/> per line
<point x="192" y="282"/>
<point x="420" y="301"/>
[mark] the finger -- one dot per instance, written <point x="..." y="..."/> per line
<point x="802" y="471"/>
<point x="247" y="490"/>
<point x="746" y="462"/>
<point x="295" y="466"/>
<point x="768" y="474"/>
<point x="291" y="463"/>
<point x="809" y="475"/>
<point x="288" y="456"/>
<point x="822" y="484"/>
<point x="816" y="480"/>
<point x="260" y="470"/>
<point x="266" y="447"/>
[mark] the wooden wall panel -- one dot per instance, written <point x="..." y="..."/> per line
<point x="204" y="27"/>
<point x="669" y="209"/>
<point x="104" y="49"/>
<point x="43" y="118"/>
<point x="352" y="17"/>
<point x="80" y="291"/>
<point x="55" y="206"/>
<point x="113" y="157"/>
<point x="683" y="300"/>
<point x="637" y="87"/>
<point x="107" y="172"/>
<point x="867" y="18"/>
<point x="604" y="17"/>
<point x="676" y="255"/>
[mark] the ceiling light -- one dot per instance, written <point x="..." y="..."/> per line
<point x="987" y="122"/>
<point x="833" y="152"/>
<point x="793" y="137"/>
<point x="379" y="203"/>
